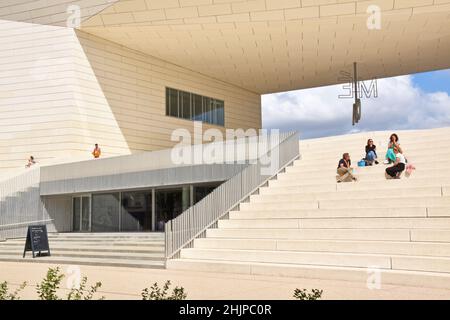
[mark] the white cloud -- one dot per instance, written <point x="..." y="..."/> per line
<point x="318" y="112"/>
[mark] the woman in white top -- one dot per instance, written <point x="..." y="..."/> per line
<point x="399" y="165"/>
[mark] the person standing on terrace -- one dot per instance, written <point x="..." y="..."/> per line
<point x="97" y="151"/>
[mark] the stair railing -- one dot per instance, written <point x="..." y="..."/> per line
<point x="20" y="203"/>
<point x="191" y="224"/>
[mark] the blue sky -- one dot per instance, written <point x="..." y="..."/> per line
<point x="433" y="81"/>
<point x="417" y="101"/>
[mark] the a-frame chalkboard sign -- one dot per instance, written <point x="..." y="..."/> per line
<point x="37" y="241"/>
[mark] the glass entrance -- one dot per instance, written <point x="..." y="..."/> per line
<point x="81" y="214"/>
<point x="136" y="211"/>
<point x="170" y="203"/>
<point x="106" y="212"/>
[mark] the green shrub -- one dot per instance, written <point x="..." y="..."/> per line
<point x="157" y="293"/>
<point x="302" y="294"/>
<point x="46" y="290"/>
<point x="82" y="293"/>
<point x="6" y="295"/>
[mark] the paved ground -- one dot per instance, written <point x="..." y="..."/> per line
<point x="127" y="283"/>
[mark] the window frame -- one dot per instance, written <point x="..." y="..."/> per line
<point x="209" y="113"/>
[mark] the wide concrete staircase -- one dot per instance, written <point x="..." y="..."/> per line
<point x="304" y="224"/>
<point x="141" y="250"/>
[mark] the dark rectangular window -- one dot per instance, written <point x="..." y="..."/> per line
<point x="185" y="98"/>
<point x="197" y="107"/>
<point x="172" y="102"/>
<point x="191" y="106"/>
<point x="206" y="109"/>
<point x="220" y="112"/>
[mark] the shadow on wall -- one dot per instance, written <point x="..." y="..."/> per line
<point x="121" y="100"/>
<point x="59" y="209"/>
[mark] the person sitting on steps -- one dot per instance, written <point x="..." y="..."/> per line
<point x="399" y="165"/>
<point x="31" y="162"/>
<point x="393" y="143"/>
<point x="344" y="170"/>
<point x="371" y="153"/>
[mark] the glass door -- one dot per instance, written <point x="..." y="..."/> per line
<point x="76" y="210"/>
<point x="81" y="211"/>
<point x="85" y="214"/>
<point x="136" y="211"/>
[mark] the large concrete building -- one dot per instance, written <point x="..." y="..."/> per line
<point x="126" y="74"/>
<point x="68" y="83"/>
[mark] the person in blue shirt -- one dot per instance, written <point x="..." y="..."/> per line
<point x="371" y="153"/>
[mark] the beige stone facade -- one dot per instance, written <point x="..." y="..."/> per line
<point x="66" y="85"/>
<point x="64" y="90"/>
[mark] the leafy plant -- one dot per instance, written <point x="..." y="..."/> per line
<point x="157" y="293"/>
<point x="46" y="290"/>
<point x="303" y="294"/>
<point x="81" y="293"/>
<point x="6" y="295"/>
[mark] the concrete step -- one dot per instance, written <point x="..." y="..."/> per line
<point x="331" y="166"/>
<point x="361" y="186"/>
<point x="289" y="257"/>
<point x="157" y="256"/>
<point x="292" y="195"/>
<point x="410" y="263"/>
<point x="313" y="185"/>
<point x="330" y="234"/>
<point x="363" y="275"/>
<point x="340" y="213"/>
<point x="96" y="236"/>
<point x="357" y="151"/>
<point x="318" y="159"/>
<point x="417" y="143"/>
<point x="406" y="202"/>
<point x="95" y="243"/>
<point x="344" y="246"/>
<point x="325" y="160"/>
<point x="340" y="223"/>
<point x="423" y="235"/>
<point x="430" y="235"/>
<point x="130" y="263"/>
<point x="144" y="250"/>
<point x="362" y="174"/>
<point x="80" y="248"/>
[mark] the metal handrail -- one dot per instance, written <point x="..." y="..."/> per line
<point x="193" y="223"/>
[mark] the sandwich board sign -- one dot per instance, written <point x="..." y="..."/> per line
<point x="37" y="241"/>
